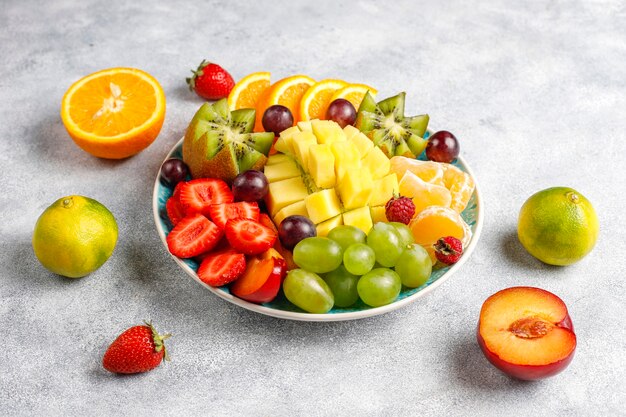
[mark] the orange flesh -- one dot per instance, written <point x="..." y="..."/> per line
<point x="99" y="108"/>
<point x="520" y="325"/>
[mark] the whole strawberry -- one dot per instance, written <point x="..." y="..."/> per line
<point x="448" y="250"/>
<point x="210" y="81"/>
<point x="400" y="209"/>
<point x="138" y="349"/>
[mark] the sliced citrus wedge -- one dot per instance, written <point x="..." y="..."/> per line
<point x="354" y="93"/>
<point x="247" y="92"/>
<point x="316" y="99"/>
<point x="288" y="92"/>
<point x="114" y="113"/>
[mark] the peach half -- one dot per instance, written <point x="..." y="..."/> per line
<point x="526" y="332"/>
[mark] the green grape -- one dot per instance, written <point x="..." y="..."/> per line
<point x="318" y="254"/>
<point x="414" y="266"/>
<point x="379" y="287"/>
<point x="386" y="242"/>
<point x="343" y="285"/>
<point x="359" y="258"/>
<point x="347" y="235"/>
<point x="308" y="291"/>
<point x="405" y="233"/>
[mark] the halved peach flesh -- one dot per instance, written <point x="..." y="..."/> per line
<point x="526" y="326"/>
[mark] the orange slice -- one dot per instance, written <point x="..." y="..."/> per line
<point x="287" y="92"/>
<point x="114" y="113"/>
<point x="354" y="93"/>
<point x="247" y="92"/>
<point x="316" y="99"/>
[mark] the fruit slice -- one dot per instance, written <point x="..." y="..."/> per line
<point x="385" y="124"/>
<point x="322" y="205"/>
<point x="360" y="218"/>
<point x="356" y="188"/>
<point x="423" y="193"/>
<point x="434" y="222"/>
<point x="354" y="93"/>
<point x="461" y="186"/>
<point x="218" y="143"/>
<point x="193" y="236"/>
<point x="114" y="113"/>
<point x="261" y="281"/>
<point x="221" y="268"/>
<point x="316" y="99"/>
<point x="175" y="210"/>
<point x="222" y="213"/>
<point x="428" y="171"/>
<point x="287" y="92"/>
<point x="284" y="193"/>
<point x="249" y="236"/>
<point x="295" y="209"/>
<point x="246" y="93"/>
<point x="384" y="189"/>
<point x="526" y="332"/>
<point x="197" y="196"/>
<point x="325" y="227"/>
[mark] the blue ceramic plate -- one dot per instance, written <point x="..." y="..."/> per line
<point x="282" y="308"/>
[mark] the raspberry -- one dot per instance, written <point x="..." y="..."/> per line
<point x="448" y="250"/>
<point x="400" y="209"/>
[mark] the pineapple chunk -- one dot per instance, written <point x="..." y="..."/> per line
<point x="277" y="158"/>
<point x="346" y="157"/>
<point x="284" y="193"/>
<point x="350" y="131"/>
<point x="363" y="143"/>
<point x="281" y="171"/>
<point x="281" y="146"/>
<point x="305" y="125"/>
<point x="355" y="188"/>
<point x="327" y="131"/>
<point x="376" y="162"/>
<point x="323" y="205"/>
<point x="360" y="218"/>
<point x="322" y="165"/>
<point x="294" y="209"/>
<point x="384" y="189"/>
<point x="378" y="214"/>
<point x="325" y="227"/>
<point x="284" y="143"/>
<point x="301" y="144"/>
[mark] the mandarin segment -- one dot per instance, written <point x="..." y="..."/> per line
<point x="423" y="194"/>
<point x="428" y="171"/>
<point x="460" y="184"/>
<point x="434" y="222"/>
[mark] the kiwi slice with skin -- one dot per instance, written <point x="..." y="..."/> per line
<point x="385" y="124"/>
<point x="220" y="143"/>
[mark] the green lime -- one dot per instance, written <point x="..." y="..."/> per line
<point x="74" y="236"/>
<point x="558" y="226"/>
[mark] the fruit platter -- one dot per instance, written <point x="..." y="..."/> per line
<point x="313" y="201"/>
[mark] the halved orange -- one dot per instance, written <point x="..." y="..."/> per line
<point x="354" y="93"/>
<point x="316" y="99"/>
<point x="286" y="92"/>
<point x="247" y="92"/>
<point x="114" y="113"/>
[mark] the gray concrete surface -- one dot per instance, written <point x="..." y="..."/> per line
<point x="535" y="92"/>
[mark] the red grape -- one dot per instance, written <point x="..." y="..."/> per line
<point x="276" y="119"/>
<point x="442" y="147"/>
<point x="342" y="112"/>
<point x="295" y="228"/>
<point x="174" y="171"/>
<point x="250" y="186"/>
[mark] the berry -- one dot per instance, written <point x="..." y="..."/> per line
<point x="197" y="196"/>
<point x="400" y="209"/>
<point x="210" y="81"/>
<point x="193" y="236"/>
<point x="222" y="268"/>
<point x="342" y="112"/>
<point x="249" y="236"/>
<point x="175" y="210"/>
<point x="448" y="250"/>
<point x="138" y="349"/>
<point x="442" y="147"/>
<point x="222" y="213"/>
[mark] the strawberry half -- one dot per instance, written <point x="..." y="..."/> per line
<point x="197" y="196"/>
<point x="222" y="268"/>
<point x="175" y="211"/>
<point x="249" y="236"/>
<point x="222" y="213"/>
<point x="193" y="236"/>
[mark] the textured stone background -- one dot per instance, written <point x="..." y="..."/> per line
<point x="535" y="91"/>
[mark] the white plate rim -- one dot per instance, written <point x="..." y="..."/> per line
<point x="294" y="315"/>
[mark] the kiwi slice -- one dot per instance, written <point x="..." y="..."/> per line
<point x="385" y="124"/>
<point x="220" y="143"/>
